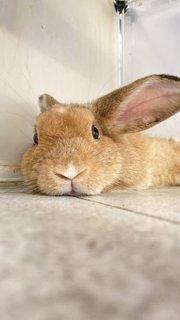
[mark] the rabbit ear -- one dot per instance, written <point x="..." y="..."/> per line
<point x="140" y="105"/>
<point x="46" y="102"/>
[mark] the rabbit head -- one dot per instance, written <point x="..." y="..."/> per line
<point x="78" y="149"/>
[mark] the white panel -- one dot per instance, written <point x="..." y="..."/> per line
<point x="65" y="48"/>
<point x="152" y="45"/>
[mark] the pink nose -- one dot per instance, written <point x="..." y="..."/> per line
<point x="67" y="175"/>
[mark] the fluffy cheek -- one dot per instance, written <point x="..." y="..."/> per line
<point x="102" y="170"/>
<point x="37" y="176"/>
<point x="98" y="176"/>
<point x="49" y="184"/>
<point x="105" y="171"/>
<point x="40" y="177"/>
<point x="29" y="174"/>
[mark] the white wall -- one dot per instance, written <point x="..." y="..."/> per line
<point x="65" y="48"/>
<point x="152" y="45"/>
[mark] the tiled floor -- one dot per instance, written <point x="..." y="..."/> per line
<point x="108" y="257"/>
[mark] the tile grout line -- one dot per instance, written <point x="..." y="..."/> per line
<point x="133" y="211"/>
<point x="124" y="209"/>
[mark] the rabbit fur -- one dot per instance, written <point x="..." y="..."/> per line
<point x="96" y="147"/>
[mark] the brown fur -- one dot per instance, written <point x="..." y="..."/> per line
<point x="68" y="160"/>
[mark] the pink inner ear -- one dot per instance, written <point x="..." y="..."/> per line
<point x="150" y="102"/>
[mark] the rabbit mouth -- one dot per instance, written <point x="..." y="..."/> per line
<point x="74" y="190"/>
<point x="77" y="189"/>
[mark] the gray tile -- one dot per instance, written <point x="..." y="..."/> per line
<point x="158" y="203"/>
<point x="64" y="258"/>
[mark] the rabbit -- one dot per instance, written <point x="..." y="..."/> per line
<point x="87" y="149"/>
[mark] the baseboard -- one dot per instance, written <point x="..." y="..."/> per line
<point x="10" y="173"/>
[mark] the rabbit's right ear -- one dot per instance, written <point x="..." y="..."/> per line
<point x="46" y="102"/>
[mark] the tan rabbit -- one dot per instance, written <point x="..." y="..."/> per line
<point x="95" y="147"/>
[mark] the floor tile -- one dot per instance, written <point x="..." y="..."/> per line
<point x="64" y="258"/>
<point x="158" y="203"/>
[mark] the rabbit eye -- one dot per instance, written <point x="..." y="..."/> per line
<point x="95" y="132"/>
<point x="35" y="138"/>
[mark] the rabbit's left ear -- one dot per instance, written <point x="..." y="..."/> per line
<point x="46" y="102"/>
<point x="138" y="106"/>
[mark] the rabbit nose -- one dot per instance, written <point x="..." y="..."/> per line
<point x="70" y="173"/>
